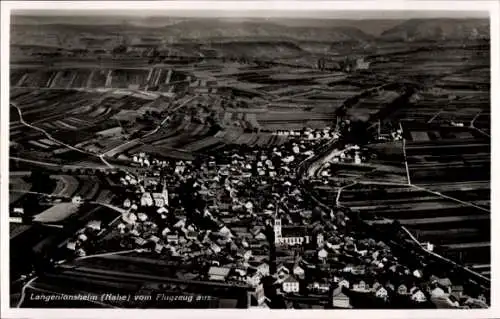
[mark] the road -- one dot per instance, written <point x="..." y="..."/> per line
<point x="23" y="291"/>
<point x="20" y="159"/>
<point x="404" y="154"/>
<point x="313" y="162"/>
<point x="410" y="235"/>
<point x="111" y="253"/>
<point x="154" y="131"/>
<point x="471" y="125"/>
<point x="50" y="137"/>
<point x="316" y="167"/>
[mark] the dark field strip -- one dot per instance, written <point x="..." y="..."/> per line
<point x="453" y="222"/>
<point x="446" y="150"/>
<point x="446" y="174"/>
<point x="381" y="195"/>
<point x="404" y="213"/>
<point x="443" y="220"/>
<point x="453" y="236"/>
<point x="451" y="165"/>
<point x="429" y="200"/>
<point x="485" y="244"/>
<point x="447" y="158"/>
<point x="480" y="255"/>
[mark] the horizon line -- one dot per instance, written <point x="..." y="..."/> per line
<point x="257" y="14"/>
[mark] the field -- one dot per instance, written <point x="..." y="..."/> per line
<point x="62" y="77"/>
<point x="461" y="230"/>
<point x="441" y="154"/>
<point x="18" y="185"/>
<point x="56" y="213"/>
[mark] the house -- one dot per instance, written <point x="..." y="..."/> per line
<point x="82" y="237"/>
<point x="215" y="248"/>
<point x="253" y="277"/>
<point x="140" y="241"/>
<point x="71" y="245"/>
<point x="282" y="269"/>
<point x="218" y="273"/>
<point x="180" y="224"/>
<point x="290" y="285"/>
<point x="320" y="239"/>
<point x="94" y="225"/>
<point x="142" y="217"/>
<point x="146" y="199"/>
<point x="159" y="248"/>
<point x="154" y="239"/>
<point x="441" y="299"/>
<point x="225" y="231"/>
<point x="446" y="283"/>
<point x="361" y="286"/>
<point x="376" y="285"/>
<point x="165" y="232"/>
<point x="402" y="289"/>
<point x="457" y="291"/>
<point x="320" y="286"/>
<point x="339" y="299"/>
<point x="247" y="254"/>
<point x="418" y="296"/>
<point x="358" y="270"/>
<point x="260" y="236"/>
<point x="77" y="200"/>
<point x="381" y="293"/>
<point x="191" y="235"/>
<point x="127" y="203"/>
<point x="263" y="269"/>
<point x="173" y="238"/>
<point x="298" y="271"/>
<point x="162" y="210"/>
<point x="344" y="283"/>
<point x="413" y="289"/>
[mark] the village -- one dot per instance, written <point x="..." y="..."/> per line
<point x="242" y="217"/>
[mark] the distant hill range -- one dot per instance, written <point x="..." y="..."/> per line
<point x="438" y="29"/>
<point x="204" y="29"/>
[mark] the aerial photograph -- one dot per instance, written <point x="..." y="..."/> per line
<point x="199" y="160"/>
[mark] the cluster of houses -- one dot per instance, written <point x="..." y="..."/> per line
<point x="241" y="215"/>
<point x="309" y="134"/>
<point x="81" y="243"/>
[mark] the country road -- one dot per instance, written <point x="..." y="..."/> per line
<point x="112" y="151"/>
<point x="50" y="137"/>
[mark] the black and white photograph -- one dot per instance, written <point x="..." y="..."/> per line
<point x="248" y="159"/>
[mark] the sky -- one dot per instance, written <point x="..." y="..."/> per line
<point x="330" y="14"/>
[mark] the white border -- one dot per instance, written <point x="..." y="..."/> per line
<point x="291" y="7"/>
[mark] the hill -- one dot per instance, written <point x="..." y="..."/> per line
<point x="438" y="29"/>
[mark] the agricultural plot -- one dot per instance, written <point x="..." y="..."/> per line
<point x="294" y="120"/>
<point x="461" y="231"/>
<point x="81" y="78"/>
<point x="16" y="77"/>
<point x="128" y="78"/>
<point x="449" y="161"/>
<point x="66" y="185"/>
<point x="17" y="186"/>
<point x="57" y="213"/>
<point x="89" y="186"/>
<point x="63" y="79"/>
<point x="99" y="78"/>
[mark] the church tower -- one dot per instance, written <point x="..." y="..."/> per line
<point x="164" y="193"/>
<point x="277" y="224"/>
